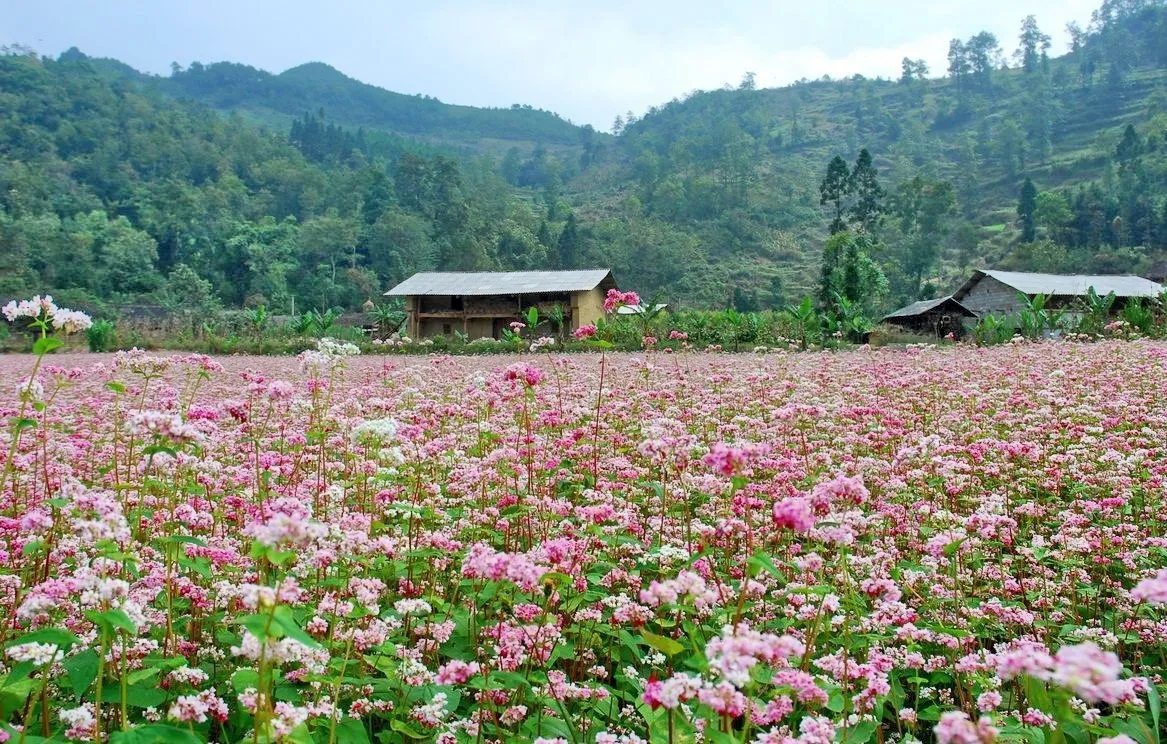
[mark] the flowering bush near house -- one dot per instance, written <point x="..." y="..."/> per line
<point x="872" y="546"/>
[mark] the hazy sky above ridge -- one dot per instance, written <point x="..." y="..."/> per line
<point x="586" y="61"/>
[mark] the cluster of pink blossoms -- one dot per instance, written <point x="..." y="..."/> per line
<point x="1084" y="669"/>
<point x="1153" y="590"/>
<point x="955" y="727"/>
<point x="729" y="459"/>
<point x="794" y="513"/>
<point x="484" y="562"/>
<point x="165" y="425"/>
<point x="617" y="299"/>
<point x="739" y="649"/>
<point x="527" y="374"/>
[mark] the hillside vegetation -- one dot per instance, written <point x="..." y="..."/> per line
<point x="222" y="184"/>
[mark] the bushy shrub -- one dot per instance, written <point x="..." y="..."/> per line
<point x="101" y="335"/>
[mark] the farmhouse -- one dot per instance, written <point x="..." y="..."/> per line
<point x="482" y="304"/>
<point x="991" y="292"/>
<point x="939" y="317"/>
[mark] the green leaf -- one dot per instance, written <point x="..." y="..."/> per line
<point x="46" y="344"/>
<point x="82" y="670"/>
<point x="861" y="733"/>
<point x="18" y="676"/>
<point x="666" y="646"/>
<point x="57" y="636"/>
<point x="112" y="621"/>
<point x="1135" y="728"/>
<point x="244" y="678"/>
<point x="1037" y="694"/>
<point x="763" y="561"/>
<point x="116" y="386"/>
<point x="136" y="696"/>
<point x="283" y="617"/>
<point x="352" y="730"/>
<point x="1153" y="705"/>
<point x="951" y="548"/>
<point x="201" y="566"/>
<point x="278" y="557"/>
<point x="155" y="733"/>
<point x="261" y="628"/>
<point x="299" y="735"/>
<point x="835" y="701"/>
<point x="142" y="674"/>
<point x="409" y="731"/>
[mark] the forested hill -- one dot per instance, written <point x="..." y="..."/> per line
<point x="742" y="168"/>
<point x="225" y="183"/>
<point x="314" y="86"/>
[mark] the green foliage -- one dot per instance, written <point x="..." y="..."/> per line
<point x="1096" y="312"/>
<point x="1036" y="319"/>
<point x="1026" y="211"/>
<point x="258" y="317"/>
<point x="850" y="272"/>
<point x="387" y="319"/>
<point x="100" y="336"/>
<point x="992" y="329"/>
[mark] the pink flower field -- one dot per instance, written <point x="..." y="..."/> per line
<point x="953" y="545"/>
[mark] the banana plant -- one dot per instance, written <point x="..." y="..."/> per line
<point x="387" y="319"/>
<point x="805" y="319"/>
<point x="851" y="320"/>
<point x="1097" y="313"/>
<point x="558" y="319"/>
<point x="258" y="318"/>
<point x="1035" y="318"/>
<point x="1138" y="315"/>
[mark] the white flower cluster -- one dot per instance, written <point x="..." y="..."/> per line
<point x="79" y="721"/>
<point x="328" y="355"/>
<point x="38" y="653"/>
<point x="43" y="308"/>
<point x="139" y="362"/>
<point x="280" y="652"/>
<point x="333" y="347"/>
<point x="541" y="342"/>
<point x="412" y="607"/>
<point x="376" y="430"/>
<point x="30" y="390"/>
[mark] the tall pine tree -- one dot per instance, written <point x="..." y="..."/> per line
<point x="1026" y="207"/>
<point x="567" y="249"/>
<point x="867" y="211"/>
<point x="833" y="189"/>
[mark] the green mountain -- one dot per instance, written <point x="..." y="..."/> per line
<point x="245" y="187"/>
<point x="315" y="86"/>
<point x="275" y="100"/>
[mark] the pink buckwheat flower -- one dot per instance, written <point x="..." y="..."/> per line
<point x="794" y="514"/>
<point x="1153" y="590"/>
<point x="956" y="728"/>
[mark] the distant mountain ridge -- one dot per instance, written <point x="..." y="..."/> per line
<point x="313" y="86"/>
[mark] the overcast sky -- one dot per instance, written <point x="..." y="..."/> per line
<point x="587" y="61"/>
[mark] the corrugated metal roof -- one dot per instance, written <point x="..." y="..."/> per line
<point x="639" y="309"/>
<point x="502" y="282"/>
<point x="923" y="306"/>
<point x="1073" y="285"/>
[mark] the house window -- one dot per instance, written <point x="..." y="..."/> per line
<point x="456" y="303"/>
<point x="446" y="329"/>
